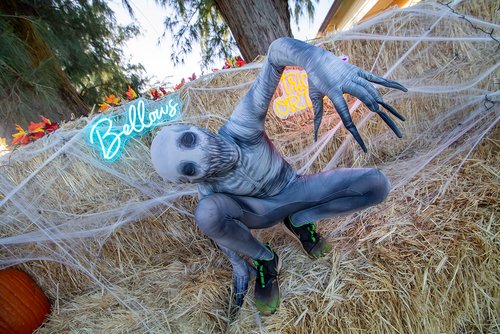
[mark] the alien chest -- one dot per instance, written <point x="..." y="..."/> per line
<point x="256" y="178"/>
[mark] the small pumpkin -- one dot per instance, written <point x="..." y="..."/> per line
<point x="23" y="306"/>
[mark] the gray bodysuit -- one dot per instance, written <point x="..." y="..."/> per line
<point x="244" y="183"/>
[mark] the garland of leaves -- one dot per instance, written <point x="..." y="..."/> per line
<point x="38" y="130"/>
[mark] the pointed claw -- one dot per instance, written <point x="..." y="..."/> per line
<point x="382" y="81"/>
<point x="396" y="85"/>
<point x="317" y="123"/>
<point x="390" y="123"/>
<point x="343" y="111"/>
<point x="316" y="98"/>
<point x="364" y="95"/>
<point x="354" y="131"/>
<point x="392" y="110"/>
<point x="358" y="138"/>
<point x="318" y="117"/>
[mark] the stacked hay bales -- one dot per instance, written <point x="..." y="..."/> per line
<point x="116" y="249"/>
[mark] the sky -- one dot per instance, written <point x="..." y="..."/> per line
<point x="155" y="58"/>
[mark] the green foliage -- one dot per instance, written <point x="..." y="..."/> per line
<point x="24" y="87"/>
<point x="297" y="9"/>
<point x="85" y="42"/>
<point x="199" y="21"/>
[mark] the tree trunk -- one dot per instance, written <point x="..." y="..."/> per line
<point x="255" y="24"/>
<point x="40" y="53"/>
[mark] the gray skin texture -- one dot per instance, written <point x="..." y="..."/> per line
<point x="244" y="183"/>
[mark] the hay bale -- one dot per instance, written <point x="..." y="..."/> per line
<point x="116" y="249"/>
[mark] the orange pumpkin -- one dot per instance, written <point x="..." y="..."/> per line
<point x="23" y="306"/>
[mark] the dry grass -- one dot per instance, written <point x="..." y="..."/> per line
<point x="424" y="261"/>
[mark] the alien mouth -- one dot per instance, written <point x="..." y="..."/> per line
<point x="221" y="156"/>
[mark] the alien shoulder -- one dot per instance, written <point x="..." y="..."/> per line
<point x="240" y="133"/>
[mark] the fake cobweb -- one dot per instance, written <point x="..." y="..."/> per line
<point x="61" y="203"/>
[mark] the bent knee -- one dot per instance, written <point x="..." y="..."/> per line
<point x="380" y="185"/>
<point x="209" y="217"/>
<point x="212" y="212"/>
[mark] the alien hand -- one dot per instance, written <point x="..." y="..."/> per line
<point x="330" y="76"/>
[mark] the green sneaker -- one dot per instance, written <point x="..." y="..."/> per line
<point x="267" y="290"/>
<point x="311" y="241"/>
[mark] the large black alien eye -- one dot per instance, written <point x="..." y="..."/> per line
<point x="188" y="140"/>
<point x="188" y="169"/>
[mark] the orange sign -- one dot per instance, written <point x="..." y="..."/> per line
<point x="292" y="93"/>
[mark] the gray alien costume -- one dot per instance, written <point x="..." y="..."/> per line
<point x="244" y="183"/>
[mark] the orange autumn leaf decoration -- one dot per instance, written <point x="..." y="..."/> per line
<point x="240" y="62"/>
<point x="103" y="107"/>
<point x="233" y="63"/>
<point x="165" y="93"/>
<point x="179" y="86"/>
<point x="35" y="131"/>
<point x="155" y="94"/>
<point x="109" y="100"/>
<point x="130" y="93"/>
<point x="49" y="126"/>
<point x="112" y="99"/>
<point x="21" y="137"/>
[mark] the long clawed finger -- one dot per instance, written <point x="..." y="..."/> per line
<point x="382" y="81"/>
<point x="343" y="111"/>
<point x="390" y="123"/>
<point x="318" y="114"/>
<point x="317" y="101"/>
<point x="367" y="95"/>
<point x="378" y="98"/>
<point x="391" y="110"/>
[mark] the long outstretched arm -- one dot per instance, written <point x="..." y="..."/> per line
<point x="327" y="74"/>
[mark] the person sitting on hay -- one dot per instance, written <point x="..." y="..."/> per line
<point x="244" y="183"/>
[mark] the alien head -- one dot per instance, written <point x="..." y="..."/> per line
<point x="188" y="154"/>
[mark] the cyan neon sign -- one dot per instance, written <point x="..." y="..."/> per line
<point x="109" y="134"/>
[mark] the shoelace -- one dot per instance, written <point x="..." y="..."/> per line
<point x="312" y="230"/>
<point x="260" y="269"/>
